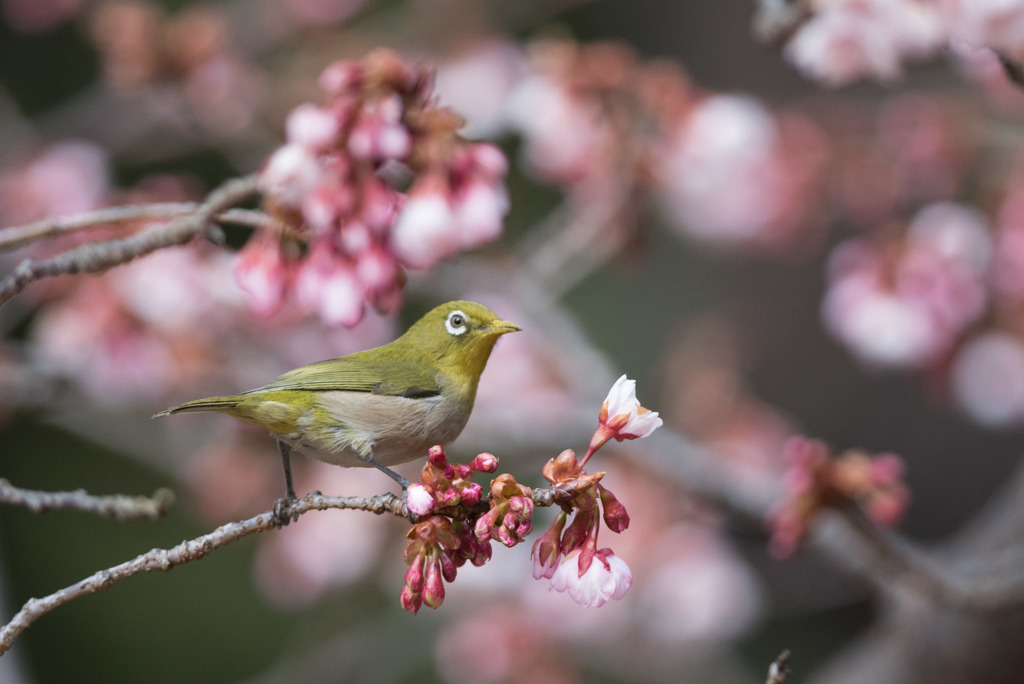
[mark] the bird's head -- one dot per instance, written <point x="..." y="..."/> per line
<point x="457" y="338"/>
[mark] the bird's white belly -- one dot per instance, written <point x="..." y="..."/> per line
<point x="392" y="430"/>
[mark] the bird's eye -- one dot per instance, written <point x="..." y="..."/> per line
<point x="456" y="323"/>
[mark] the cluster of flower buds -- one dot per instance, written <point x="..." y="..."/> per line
<point x="510" y="518"/>
<point x="565" y="554"/>
<point x="440" y="545"/>
<point x="447" y="484"/>
<point x="432" y="540"/>
<point x="815" y="480"/>
<point x="568" y="555"/>
<point x="334" y="184"/>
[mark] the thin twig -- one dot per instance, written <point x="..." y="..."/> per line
<point x="898" y="563"/>
<point x="775" y="21"/>
<point x="1013" y="69"/>
<point x="98" y="257"/>
<point x="779" y="669"/>
<point x="191" y="550"/>
<point x="117" y="506"/>
<point x="19" y="236"/>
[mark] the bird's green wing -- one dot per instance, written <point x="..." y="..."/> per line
<point x="360" y="373"/>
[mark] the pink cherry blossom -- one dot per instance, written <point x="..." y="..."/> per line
<point x="608" y="577"/>
<point x="426" y="229"/>
<point x="67" y="177"/>
<point x="264" y="275"/>
<point x="290" y="174"/>
<point x="906" y="307"/>
<point x="313" y="127"/>
<point x="988" y="379"/>
<point x="622" y="417"/>
<point x="733" y="174"/>
<point x="846" y="40"/>
<point x="997" y="24"/>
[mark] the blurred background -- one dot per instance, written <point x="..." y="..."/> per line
<point x="765" y="254"/>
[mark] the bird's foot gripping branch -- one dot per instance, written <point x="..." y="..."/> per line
<point x="457" y="527"/>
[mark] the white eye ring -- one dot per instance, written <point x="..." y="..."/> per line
<point x="456" y="323"/>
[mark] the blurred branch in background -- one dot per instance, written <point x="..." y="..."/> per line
<point x="96" y="257"/>
<point x="117" y="506"/>
<point x="19" y="236"/>
<point x="779" y="669"/>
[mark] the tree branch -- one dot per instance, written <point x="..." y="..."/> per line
<point x="779" y="669"/>
<point x="191" y="550"/>
<point x="896" y="562"/>
<point x="19" y="236"/>
<point x="775" y="21"/>
<point x="98" y="257"/>
<point x="117" y="506"/>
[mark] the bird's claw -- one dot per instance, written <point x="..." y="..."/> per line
<point x="282" y="514"/>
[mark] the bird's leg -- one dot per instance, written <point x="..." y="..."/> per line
<point x="281" y="506"/>
<point x="366" y="454"/>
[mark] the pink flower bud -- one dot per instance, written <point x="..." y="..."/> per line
<point x="290" y="174"/>
<point x="545" y="558"/>
<point x="482" y="555"/>
<point x="379" y="205"/>
<point x="448" y="568"/>
<point x="547" y="550"/>
<point x="615" y="515"/>
<point x="484" y="525"/>
<point x="521" y="507"/>
<point x="343" y="298"/>
<point x="414" y="575"/>
<point x="449" y="471"/>
<point x="886" y="469"/>
<point x="464" y="471"/>
<point x="393" y="141"/>
<point x="507" y="537"/>
<point x="485" y="463"/>
<point x="425" y="231"/>
<point x="263" y="273"/>
<point x="471" y="493"/>
<point x="433" y="588"/>
<point x="313" y="127"/>
<point x="342" y="77"/>
<point x="411" y="600"/>
<point x="437" y="456"/>
<point x="376" y="268"/>
<point x="324" y="205"/>
<point x="451" y="497"/>
<point x="887" y="508"/>
<point x="419" y="499"/>
<point x="488" y="160"/>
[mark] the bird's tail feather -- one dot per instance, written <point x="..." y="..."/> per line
<point x="208" y="404"/>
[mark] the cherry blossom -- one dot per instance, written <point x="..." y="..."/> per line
<point x="608" y="577"/>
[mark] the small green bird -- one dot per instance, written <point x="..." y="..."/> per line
<point x="377" y="407"/>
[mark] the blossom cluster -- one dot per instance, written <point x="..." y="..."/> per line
<point x="441" y="544"/>
<point x="815" y="480"/>
<point x="725" y="169"/>
<point x="454" y="532"/>
<point x="846" y="40"/>
<point x="906" y="303"/>
<point x="336" y="183"/>
<point x="568" y="555"/>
